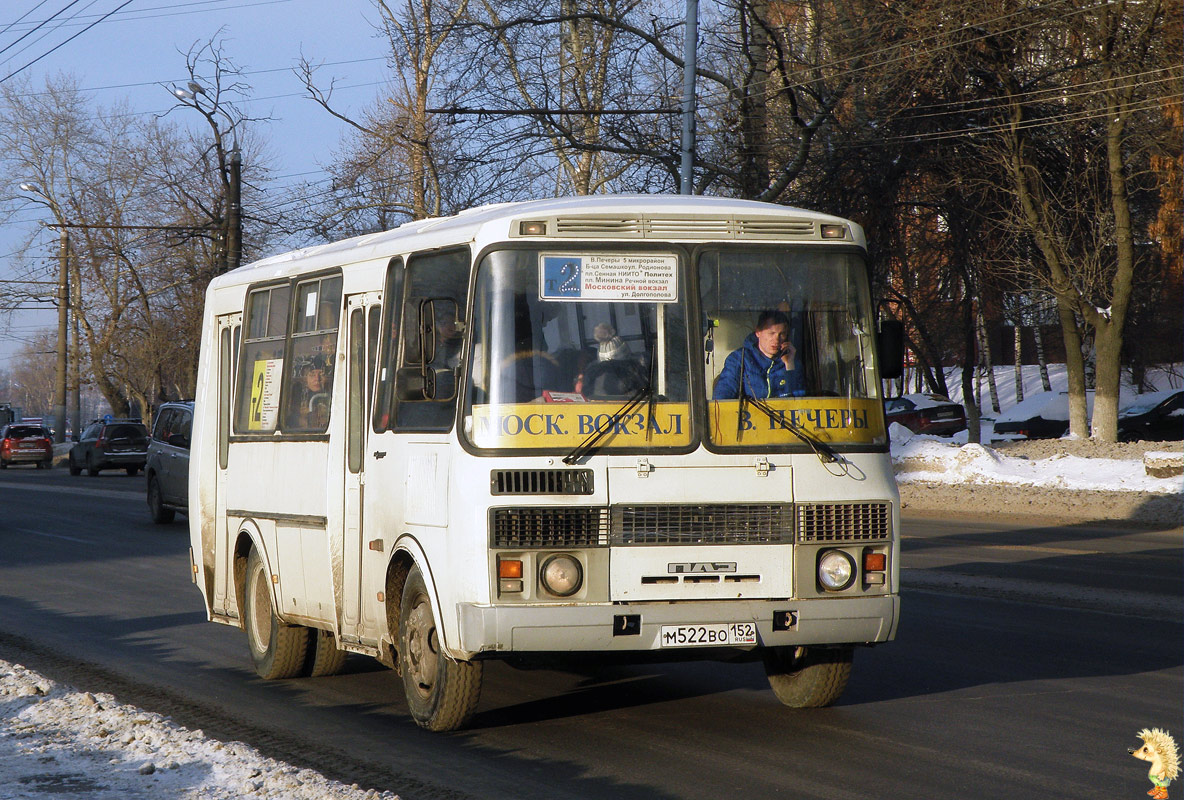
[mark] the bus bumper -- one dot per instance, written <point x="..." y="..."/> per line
<point x="522" y="629"/>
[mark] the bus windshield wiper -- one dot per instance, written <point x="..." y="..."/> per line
<point x="644" y="393"/>
<point x="826" y="454"/>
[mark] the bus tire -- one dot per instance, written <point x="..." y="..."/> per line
<point x="277" y="649"/>
<point x="808" y="677"/>
<point x="442" y="693"/>
<point x="323" y="657"/>
<point x="161" y="514"/>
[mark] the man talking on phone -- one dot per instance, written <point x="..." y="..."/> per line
<point x="764" y="366"/>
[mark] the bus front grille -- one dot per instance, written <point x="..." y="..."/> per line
<point x="757" y="523"/>
<point x="843" y="522"/>
<point x="549" y="527"/>
<point x="540" y="481"/>
<point x="708" y="524"/>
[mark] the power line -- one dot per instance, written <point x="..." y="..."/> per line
<point x="66" y="42"/>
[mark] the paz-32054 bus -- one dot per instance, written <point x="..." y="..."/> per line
<point x="502" y="434"/>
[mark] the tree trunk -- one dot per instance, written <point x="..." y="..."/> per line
<point x="985" y="348"/>
<point x="1042" y="357"/>
<point x="974" y="428"/>
<point x="1074" y="368"/>
<point x="1019" y="363"/>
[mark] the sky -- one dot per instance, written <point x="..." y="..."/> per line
<point x="138" y="53"/>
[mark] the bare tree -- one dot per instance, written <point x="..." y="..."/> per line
<point x="1081" y="98"/>
<point x="398" y="142"/>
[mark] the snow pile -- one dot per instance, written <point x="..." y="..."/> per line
<point x="59" y="743"/>
<point x="931" y="459"/>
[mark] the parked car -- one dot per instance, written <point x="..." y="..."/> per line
<point x="167" y="467"/>
<point x="21" y="443"/>
<point x="1155" y="416"/>
<point x="1044" y="415"/>
<point x="926" y="413"/>
<point x="110" y="444"/>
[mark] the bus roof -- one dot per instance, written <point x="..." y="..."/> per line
<point x="597" y="217"/>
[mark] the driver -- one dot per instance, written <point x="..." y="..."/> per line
<point x="764" y="364"/>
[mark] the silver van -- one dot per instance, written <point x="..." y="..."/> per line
<point x="167" y="469"/>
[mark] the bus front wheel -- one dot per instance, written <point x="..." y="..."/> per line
<point x="442" y="693"/>
<point x="278" y="650"/>
<point x="808" y="677"/>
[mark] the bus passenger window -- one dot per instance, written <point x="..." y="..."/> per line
<point x="314" y="345"/>
<point x="262" y="363"/>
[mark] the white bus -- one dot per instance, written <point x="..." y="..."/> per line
<point x="503" y="434"/>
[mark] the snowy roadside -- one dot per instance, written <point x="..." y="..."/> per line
<point x="1066" y="479"/>
<point x="57" y="743"/>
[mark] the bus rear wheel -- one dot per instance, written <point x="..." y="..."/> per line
<point x="278" y="650"/>
<point x="808" y="677"/>
<point x="442" y="693"/>
<point x="323" y="657"/>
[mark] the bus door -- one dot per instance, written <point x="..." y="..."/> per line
<point x="229" y="328"/>
<point x="362" y="332"/>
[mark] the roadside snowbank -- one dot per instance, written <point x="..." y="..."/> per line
<point x="931" y="459"/>
<point x="60" y="744"/>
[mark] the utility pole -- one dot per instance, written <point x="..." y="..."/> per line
<point x="59" y="375"/>
<point x="76" y="359"/>
<point x="234" y="211"/>
<point x="689" y="48"/>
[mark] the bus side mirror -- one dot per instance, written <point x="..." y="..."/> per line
<point x="891" y="348"/>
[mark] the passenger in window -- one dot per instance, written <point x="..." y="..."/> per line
<point x="309" y="409"/>
<point x="609" y="346"/>
<point x="764" y="366"/>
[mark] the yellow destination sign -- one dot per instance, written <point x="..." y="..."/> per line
<point x="834" y="420"/>
<point x="568" y="424"/>
<point x="542" y="425"/>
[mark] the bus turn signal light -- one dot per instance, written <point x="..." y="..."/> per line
<point x="874" y="562"/>
<point x="509" y="568"/>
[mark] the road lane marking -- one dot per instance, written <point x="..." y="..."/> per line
<point x="54" y="535"/>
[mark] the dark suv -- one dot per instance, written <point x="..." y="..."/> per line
<point x="110" y="444"/>
<point x="168" y="461"/>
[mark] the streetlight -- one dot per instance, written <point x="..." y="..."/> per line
<point x="59" y="375"/>
<point x="233" y="231"/>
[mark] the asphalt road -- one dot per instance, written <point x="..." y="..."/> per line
<point x="1027" y="659"/>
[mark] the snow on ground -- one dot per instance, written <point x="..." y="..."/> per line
<point x="933" y="459"/>
<point x="1170" y="377"/>
<point x="60" y="744"/>
<point x="57" y="743"/>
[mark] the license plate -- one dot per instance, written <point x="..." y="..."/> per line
<point x="708" y="635"/>
<point x="27" y="445"/>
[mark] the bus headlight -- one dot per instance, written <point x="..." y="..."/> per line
<point x="836" y="570"/>
<point x="561" y="575"/>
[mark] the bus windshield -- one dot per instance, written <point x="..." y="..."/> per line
<point x="563" y="342"/>
<point x="788" y="341"/>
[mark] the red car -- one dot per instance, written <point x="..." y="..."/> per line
<point x="926" y="413"/>
<point x="26" y="444"/>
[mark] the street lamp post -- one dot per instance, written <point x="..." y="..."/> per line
<point x="231" y="173"/>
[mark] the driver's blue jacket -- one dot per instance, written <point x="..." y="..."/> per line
<point x="763" y="376"/>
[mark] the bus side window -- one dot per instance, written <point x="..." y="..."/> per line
<point x="314" y="347"/>
<point x="384" y="400"/>
<point x="425" y="393"/>
<point x="262" y="362"/>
